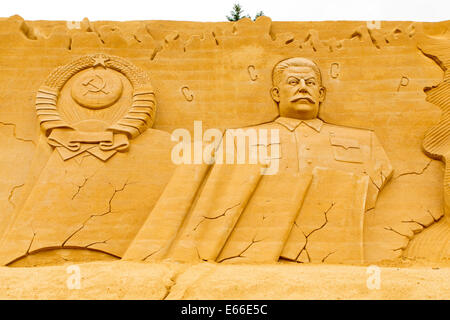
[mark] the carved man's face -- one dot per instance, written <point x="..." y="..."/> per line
<point x="299" y="93"/>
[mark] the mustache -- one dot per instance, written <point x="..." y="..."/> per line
<point x="300" y="97"/>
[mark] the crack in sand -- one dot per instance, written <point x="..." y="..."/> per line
<point x="149" y="255"/>
<point x="82" y="185"/>
<point x="240" y="255"/>
<point x="96" y="215"/>
<point x="317" y="229"/>
<point x="418" y="173"/>
<point x="395" y="231"/>
<point x="96" y="242"/>
<point x="326" y="257"/>
<point x="216" y="217"/>
<point x="11" y="194"/>
<point x="14" y="132"/>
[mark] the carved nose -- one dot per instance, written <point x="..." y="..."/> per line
<point x="302" y="89"/>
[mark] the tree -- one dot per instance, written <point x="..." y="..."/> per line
<point x="259" y="14"/>
<point x="238" y="13"/>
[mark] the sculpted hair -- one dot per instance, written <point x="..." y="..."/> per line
<point x="294" y="62"/>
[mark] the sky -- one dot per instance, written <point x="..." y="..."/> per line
<point x="209" y="10"/>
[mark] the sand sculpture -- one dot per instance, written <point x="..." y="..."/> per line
<point x="340" y="113"/>
<point x="90" y="111"/>
<point x="269" y="217"/>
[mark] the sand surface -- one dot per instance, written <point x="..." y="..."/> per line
<point x="130" y="280"/>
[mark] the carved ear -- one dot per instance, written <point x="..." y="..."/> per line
<point x="275" y="93"/>
<point x="322" y="94"/>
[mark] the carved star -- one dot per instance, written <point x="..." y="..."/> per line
<point x="100" y="61"/>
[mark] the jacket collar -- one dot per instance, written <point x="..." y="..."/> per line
<point x="291" y="123"/>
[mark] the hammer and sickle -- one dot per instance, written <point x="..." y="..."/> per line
<point x="93" y="87"/>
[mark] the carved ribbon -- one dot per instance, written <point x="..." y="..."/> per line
<point x="99" y="144"/>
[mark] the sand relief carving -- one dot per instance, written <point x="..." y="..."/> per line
<point x="335" y="70"/>
<point x="97" y="182"/>
<point x="311" y="210"/>
<point x="96" y="113"/>
<point x="94" y="87"/>
<point x="111" y="189"/>
<point x="252" y="72"/>
<point x="187" y="93"/>
<point x="434" y="242"/>
<point x="404" y="81"/>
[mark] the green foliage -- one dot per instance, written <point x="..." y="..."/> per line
<point x="238" y="13"/>
<point x="259" y="14"/>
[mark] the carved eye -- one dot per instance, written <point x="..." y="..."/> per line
<point x="292" y="81"/>
<point x="310" y="83"/>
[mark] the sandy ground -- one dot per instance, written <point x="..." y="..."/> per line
<point x="130" y="280"/>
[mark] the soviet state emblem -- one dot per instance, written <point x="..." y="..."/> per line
<point x="97" y="87"/>
<point x="94" y="105"/>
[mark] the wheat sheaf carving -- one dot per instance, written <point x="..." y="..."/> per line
<point x="434" y="242"/>
<point x="436" y="143"/>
